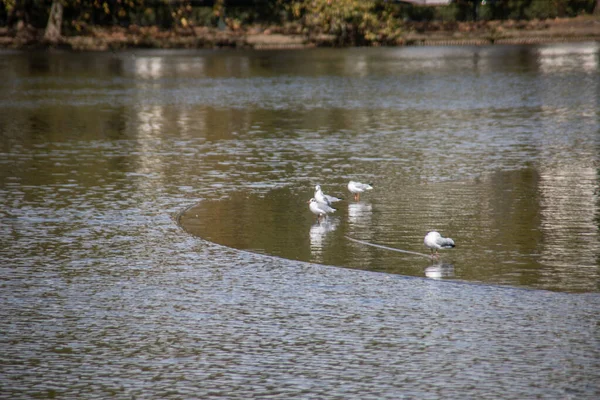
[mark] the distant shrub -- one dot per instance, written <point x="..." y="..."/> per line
<point x="542" y="9"/>
<point x="353" y="22"/>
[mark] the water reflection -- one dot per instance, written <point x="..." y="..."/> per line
<point x="318" y="233"/>
<point x="149" y="67"/>
<point x="507" y="228"/>
<point x="440" y="271"/>
<point x="569" y="57"/>
<point x="360" y="213"/>
<point x="569" y="222"/>
<point x="512" y="176"/>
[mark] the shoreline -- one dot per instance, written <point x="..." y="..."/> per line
<point x="578" y="29"/>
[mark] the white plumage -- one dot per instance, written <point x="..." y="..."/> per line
<point x="323" y="198"/>
<point x="357" y="188"/>
<point x="320" y="209"/>
<point x="435" y="242"/>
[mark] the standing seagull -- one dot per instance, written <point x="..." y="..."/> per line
<point x="357" y="188"/>
<point x="319" y="209"/>
<point x="435" y="241"/>
<point x="323" y="198"/>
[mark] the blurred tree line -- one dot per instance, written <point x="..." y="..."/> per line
<point x="351" y="21"/>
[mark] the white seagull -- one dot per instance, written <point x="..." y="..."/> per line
<point x="319" y="209"/>
<point x="435" y="241"/>
<point x="323" y="198"/>
<point x="357" y="188"/>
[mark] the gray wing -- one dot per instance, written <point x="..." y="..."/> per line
<point x="445" y="243"/>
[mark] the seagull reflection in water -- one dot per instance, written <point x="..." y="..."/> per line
<point x="439" y="271"/>
<point x="359" y="213"/>
<point x="318" y="232"/>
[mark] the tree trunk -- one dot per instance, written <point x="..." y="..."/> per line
<point x="52" y="33"/>
<point x="597" y="8"/>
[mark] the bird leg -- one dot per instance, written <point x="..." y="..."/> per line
<point x="434" y="255"/>
<point x="356" y="196"/>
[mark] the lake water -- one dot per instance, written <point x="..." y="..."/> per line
<point x="156" y="241"/>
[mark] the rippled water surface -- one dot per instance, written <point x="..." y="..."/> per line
<point x="155" y="240"/>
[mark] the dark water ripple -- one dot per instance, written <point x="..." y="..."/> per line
<point x="311" y="330"/>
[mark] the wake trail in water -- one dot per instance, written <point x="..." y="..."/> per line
<point x="387" y="248"/>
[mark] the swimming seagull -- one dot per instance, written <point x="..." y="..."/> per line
<point x="435" y="241"/>
<point x="319" y="209"/>
<point x="357" y="188"/>
<point x="323" y="198"/>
